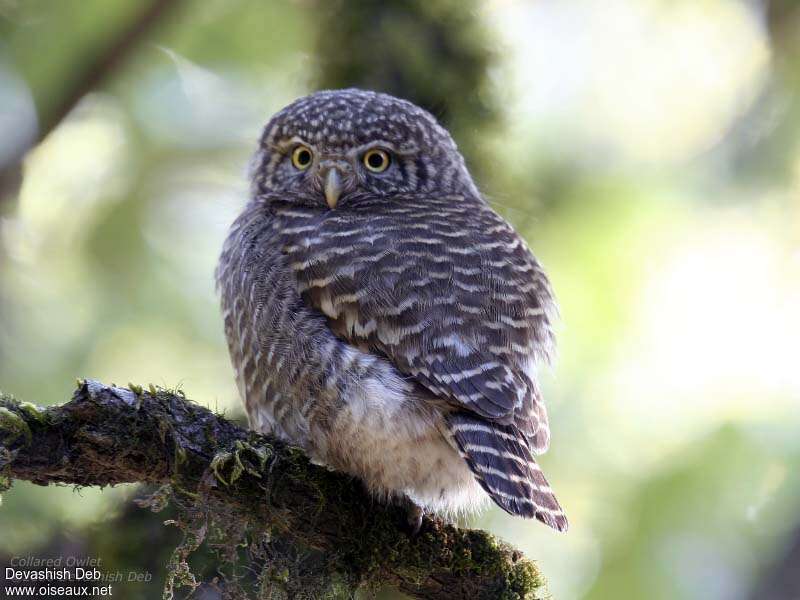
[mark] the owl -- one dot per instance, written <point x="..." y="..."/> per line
<point x="380" y="315"/>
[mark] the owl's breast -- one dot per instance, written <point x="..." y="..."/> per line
<point x="265" y="324"/>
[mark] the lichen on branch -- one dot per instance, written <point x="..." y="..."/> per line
<point x="231" y="484"/>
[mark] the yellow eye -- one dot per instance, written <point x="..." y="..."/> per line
<point x="376" y="160"/>
<point x="302" y="157"/>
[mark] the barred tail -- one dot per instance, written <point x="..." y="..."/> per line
<point x="502" y="462"/>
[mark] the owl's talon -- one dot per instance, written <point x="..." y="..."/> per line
<point x="414" y="517"/>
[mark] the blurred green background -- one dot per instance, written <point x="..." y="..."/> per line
<point x="649" y="151"/>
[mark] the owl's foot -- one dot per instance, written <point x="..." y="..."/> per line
<point x="414" y="514"/>
<point x="243" y="458"/>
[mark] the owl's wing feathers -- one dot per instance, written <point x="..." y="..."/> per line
<point x="506" y="469"/>
<point x="476" y="381"/>
<point x="455" y="300"/>
<point x="452" y="296"/>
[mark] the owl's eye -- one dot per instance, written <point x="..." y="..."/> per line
<point x="376" y="160"/>
<point x="302" y="157"/>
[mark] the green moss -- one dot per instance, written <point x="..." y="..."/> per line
<point x="158" y="500"/>
<point x="163" y="429"/>
<point x="524" y="581"/>
<point x="179" y="574"/>
<point x="12" y="426"/>
<point x="33" y="412"/>
<point x="244" y="458"/>
<point x="518" y="578"/>
<point x="218" y="464"/>
<point x="5" y="485"/>
<point x="251" y="459"/>
<point x="179" y="458"/>
<point x="138" y="391"/>
<point x="456" y="551"/>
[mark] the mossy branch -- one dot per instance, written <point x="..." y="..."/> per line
<point x="110" y="435"/>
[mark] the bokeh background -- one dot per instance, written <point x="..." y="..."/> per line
<point x="649" y="151"/>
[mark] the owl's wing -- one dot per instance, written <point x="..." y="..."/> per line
<point x="451" y="295"/>
<point x="504" y="466"/>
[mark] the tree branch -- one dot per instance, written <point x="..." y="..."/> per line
<point x="106" y="61"/>
<point x="111" y="435"/>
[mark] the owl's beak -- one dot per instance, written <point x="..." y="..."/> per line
<point x="333" y="186"/>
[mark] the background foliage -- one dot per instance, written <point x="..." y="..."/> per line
<point x="648" y="150"/>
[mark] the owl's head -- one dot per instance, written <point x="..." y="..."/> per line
<point x="333" y="146"/>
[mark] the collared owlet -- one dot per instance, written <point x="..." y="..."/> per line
<point x="382" y="316"/>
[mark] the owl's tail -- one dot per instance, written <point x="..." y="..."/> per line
<point x="503" y="464"/>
